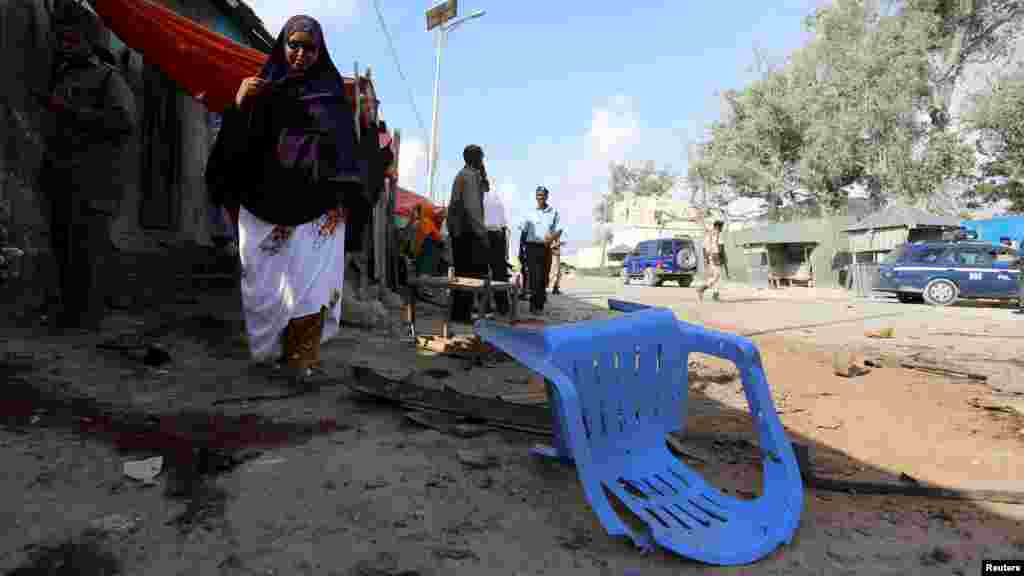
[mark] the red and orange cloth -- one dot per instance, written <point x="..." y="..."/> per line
<point x="207" y="65"/>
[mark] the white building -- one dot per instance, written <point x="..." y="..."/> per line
<point x="639" y="218"/>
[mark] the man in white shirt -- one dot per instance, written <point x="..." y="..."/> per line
<point x="540" y="231"/>
<point x="497" y="234"/>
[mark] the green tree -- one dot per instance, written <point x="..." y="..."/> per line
<point x="1011" y="192"/>
<point x="969" y="31"/>
<point x="755" y="150"/>
<point x="997" y="116"/>
<point x="852" y="106"/>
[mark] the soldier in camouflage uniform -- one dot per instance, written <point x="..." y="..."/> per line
<point x="92" y="113"/>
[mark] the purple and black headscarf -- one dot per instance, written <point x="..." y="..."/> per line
<point x="322" y="76"/>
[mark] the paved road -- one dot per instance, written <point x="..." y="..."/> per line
<point x="983" y="336"/>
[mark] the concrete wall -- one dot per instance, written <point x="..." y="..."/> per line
<point x="26" y="53"/>
<point x="25" y="58"/>
<point x="735" y="257"/>
<point x="25" y="63"/>
<point x="195" y="145"/>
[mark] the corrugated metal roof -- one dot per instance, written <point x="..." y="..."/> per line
<point x="781" y="233"/>
<point x="800" y="232"/>
<point x="904" y="217"/>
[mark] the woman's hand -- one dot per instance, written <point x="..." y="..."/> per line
<point x="249" y="88"/>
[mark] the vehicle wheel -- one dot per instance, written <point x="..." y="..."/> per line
<point x="625" y="277"/>
<point x="686" y="258"/>
<point x="686" y="281"/>
<point x="940" y="292"/>
<point x="650" y="278"/>
<point x="910" y="298"/>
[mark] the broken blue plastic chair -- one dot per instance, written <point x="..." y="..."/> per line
<point x="618" y="387"/>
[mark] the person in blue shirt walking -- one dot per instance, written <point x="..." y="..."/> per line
<point x="540" y="231"/>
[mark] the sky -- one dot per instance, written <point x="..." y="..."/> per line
<point x="554" y="91"/>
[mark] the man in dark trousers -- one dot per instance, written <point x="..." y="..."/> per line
<point x="92" y="114"/>
<point x="470" y="243"/>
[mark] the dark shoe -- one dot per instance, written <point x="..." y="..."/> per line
<point x="555" y="290"/>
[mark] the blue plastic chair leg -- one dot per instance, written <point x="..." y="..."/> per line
<point x="559" y="450"/>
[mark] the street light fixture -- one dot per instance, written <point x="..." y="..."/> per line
<point x="441" y="36"/>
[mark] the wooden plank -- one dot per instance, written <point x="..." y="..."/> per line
<point x="497" y="413"/>
<point x="526" y="398"/>
<point x="461" y="282"/>
<point x="943" y="370"/>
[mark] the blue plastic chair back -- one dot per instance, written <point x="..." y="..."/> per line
<point x="619" y="386"/>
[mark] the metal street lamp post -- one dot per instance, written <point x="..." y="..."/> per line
<point x="441" y="36"/>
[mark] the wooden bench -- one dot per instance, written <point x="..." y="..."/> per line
<point x="483" y="296"/>
<point x="790" y="274"/>
<point x="776" y="281"/>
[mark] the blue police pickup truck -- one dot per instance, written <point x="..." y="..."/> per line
<point x="655" y="261"/>
<point x="939" y="273"/>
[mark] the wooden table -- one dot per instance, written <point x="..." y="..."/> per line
<point x="483" y="296"/>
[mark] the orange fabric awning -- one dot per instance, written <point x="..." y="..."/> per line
<point x="207" y="65"/>
<point x="405" y="200"/>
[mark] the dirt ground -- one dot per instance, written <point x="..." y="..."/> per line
<point x="328" y="483"/>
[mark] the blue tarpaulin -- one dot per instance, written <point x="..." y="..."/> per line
<point x="994" y="229"/>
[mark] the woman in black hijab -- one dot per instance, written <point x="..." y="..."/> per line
<point x="286" y="159"/>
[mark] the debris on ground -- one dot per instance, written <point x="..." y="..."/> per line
<point x="691" y="452"/>
<point x="467" y="346"/>
<point x="937" y="555"/>
<point x="455" y="553"/>
<point x="476" y="459"/>
<point x="115" y="524"/>
<point x="882" y="361"/>
<point x="904" y="477"/>
<point x="156" y="356"/>
<point x="529" y="398"/>
<point x="888" y="332"/>
<point x="843" y="364"/>
<point x="999" y="404"/>
<point x="448" y="424"/>
<point x="144" y="471"/>
<point x="363" y="314"/>
<point x="578" y="540"/>
<point x="943" y="370"/>
<point x="84" y="556"/>
<point x="699" y="372"/>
